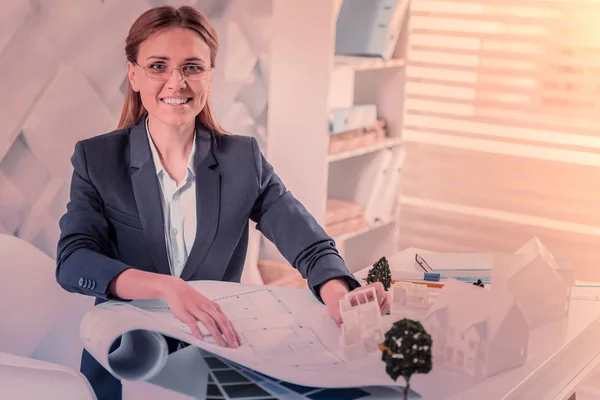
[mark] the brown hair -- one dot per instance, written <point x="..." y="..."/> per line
<point x="146" y="25"/>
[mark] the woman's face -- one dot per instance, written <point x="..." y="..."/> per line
<point x="167" y="96"/>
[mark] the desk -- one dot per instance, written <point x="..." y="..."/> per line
<point x="564" y="353"/>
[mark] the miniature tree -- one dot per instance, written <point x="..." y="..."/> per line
<point x="380" y="272"/>
<point x="406" y="350"/>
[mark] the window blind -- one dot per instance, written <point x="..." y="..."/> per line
<point x="501" y="125"/>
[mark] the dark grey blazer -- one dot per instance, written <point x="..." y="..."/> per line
<point x="114" y="218"/>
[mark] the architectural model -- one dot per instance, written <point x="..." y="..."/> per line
<point x="363" y="327"/>
<point x="476" y="331"/>
<point x="407" y="294"/>
<point x="540" y="286"/>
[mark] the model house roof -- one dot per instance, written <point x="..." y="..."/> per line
<point x="535" y="246"/>
<point x="534" y="253"/>
<point x="464" y="306"/>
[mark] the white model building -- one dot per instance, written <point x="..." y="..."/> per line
<point x="362" y="327"/>
<point x="539" y="285"/>
<point x="407" y="294"/>
<point x="477" y="331"/>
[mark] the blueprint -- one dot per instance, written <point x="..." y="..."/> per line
<point x="269" y="329"/>
<point x="285" y="333"/>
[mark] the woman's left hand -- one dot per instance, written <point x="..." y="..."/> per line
<point x="334" y="290"/>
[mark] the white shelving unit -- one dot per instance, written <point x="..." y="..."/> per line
<point x="352" y="176"/>
<point x="306" y="76"/>
<point x="387" y="143"/>
<point x="365" y="64"/>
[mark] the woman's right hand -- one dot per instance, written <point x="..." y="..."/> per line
<point x="190" y="306"/>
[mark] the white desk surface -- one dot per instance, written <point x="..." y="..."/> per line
<point x="561" y="354"/>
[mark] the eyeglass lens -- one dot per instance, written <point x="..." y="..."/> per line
<point x="164" y="71"/>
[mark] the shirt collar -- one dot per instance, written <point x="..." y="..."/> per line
<point x="158" y="164"/>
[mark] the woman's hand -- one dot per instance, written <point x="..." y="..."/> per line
<point x="190" y="306"/>
<point x="334" y="290"/>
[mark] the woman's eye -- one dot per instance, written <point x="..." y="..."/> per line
<point x="158" y="67"/>
<point x="193" y="69"/>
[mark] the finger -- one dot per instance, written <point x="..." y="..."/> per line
<point x="335" y="314"/>
<point x="238" y="338"/>
<point x="231" y="325"/>
<point x="382" y="297"/>
<point x="224" y="325"/>
<point x="210" y="324"/>
<point x="237" y="335"/>
<point x="218" y="307"/>
<point x="337" y="319"/>
<point x="190" y="321"/>
<point x="221" y="321"/>
<point x="387" y="301"/>
<point x="385" y="306"/>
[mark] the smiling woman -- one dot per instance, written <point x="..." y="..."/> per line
<point x="176" y="51"/>
<point x="167" y="197"/>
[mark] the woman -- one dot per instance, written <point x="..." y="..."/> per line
<point x="168" y="196"/>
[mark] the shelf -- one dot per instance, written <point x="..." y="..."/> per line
<point x="350" y="235"/>
<point x="384" y="144"/>
<point x="367" y="63"/>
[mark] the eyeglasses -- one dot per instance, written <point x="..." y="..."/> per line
<point x="163" y="71"/>
<point x="422" y="263"/>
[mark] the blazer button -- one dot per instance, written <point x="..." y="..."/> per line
<point x="93" y="285"/>
<point x="81" y="282"/>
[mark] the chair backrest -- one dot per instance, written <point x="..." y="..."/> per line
<point x="39" y="318"/>
<point x="52" y="381"/>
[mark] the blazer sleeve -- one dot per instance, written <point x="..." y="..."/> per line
<point x="82" y="262"/>
<point x="294" y="231"/>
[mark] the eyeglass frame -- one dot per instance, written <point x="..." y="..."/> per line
<point x="171" y="69"/>
<point x="422" y="263"/>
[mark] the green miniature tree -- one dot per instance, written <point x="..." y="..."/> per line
<point x="380" y="272"/>
<point x="406" y="350"/>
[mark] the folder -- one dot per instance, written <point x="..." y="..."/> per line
<point x="389" y="191"/>
<point x="369" y="27"/>
<point x="380" y="178"/>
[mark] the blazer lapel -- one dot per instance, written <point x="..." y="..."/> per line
<point x="147" y="197"/>
<point x="208" y="200"/>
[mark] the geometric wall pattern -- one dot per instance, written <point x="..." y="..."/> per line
<point x="63" y="73"/>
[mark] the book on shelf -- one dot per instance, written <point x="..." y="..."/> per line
<point x="343" y="217"/>
<point x="357" y="138"/>
<point x="350" y="118"/>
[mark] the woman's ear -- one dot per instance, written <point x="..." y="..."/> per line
<point x="132" y="76"/>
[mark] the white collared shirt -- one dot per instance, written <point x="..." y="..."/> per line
<point x="179" y="209"/>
